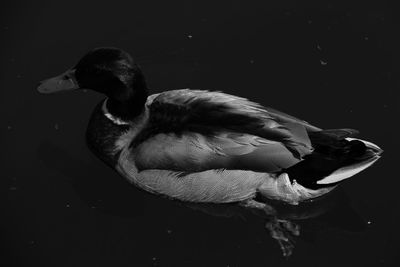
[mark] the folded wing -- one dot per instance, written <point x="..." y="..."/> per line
<point x="209" y="113"/>
<point x="193" y="152"/>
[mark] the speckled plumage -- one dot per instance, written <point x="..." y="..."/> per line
<point x="172" y="152"/>
<point x="203" y="146"/>
<point x="209" y="112"/>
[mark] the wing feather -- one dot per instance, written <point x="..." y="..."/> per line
<point x="207" y="112"/>
<point x="194" y="152"/>
<point x="216" y="186"/>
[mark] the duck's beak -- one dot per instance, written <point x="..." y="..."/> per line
<point x="63" y="82"/>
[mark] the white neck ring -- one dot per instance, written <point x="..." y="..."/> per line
<point x="112" y="118"/>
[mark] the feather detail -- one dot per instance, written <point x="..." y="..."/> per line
<point x="114" y="119"/>
<point x="208" y="113"/>
<point x="193" y="152"/>
<point x="348" y="171"/>
<point x="214" y="186"/>
<point x="205" y="146"/>
<point x="282" y="189"/>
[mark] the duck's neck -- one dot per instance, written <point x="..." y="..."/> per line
<point x="127" y="110"/>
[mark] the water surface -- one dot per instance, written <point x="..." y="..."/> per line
<point x="335" y="65"/>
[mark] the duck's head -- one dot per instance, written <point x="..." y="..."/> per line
<point x="107" y="70"/>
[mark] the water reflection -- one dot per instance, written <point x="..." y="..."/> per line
<point x="284" y="223"/>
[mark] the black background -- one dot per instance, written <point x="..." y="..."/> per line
<point x="335" y="64"/>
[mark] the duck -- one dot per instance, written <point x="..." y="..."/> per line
<point x="205" y="146"/>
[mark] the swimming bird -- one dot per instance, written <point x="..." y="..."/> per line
<point x="207" y="146"/>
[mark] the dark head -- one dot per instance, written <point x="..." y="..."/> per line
<point x="110" y="71"/>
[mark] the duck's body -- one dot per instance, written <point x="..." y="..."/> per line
<point x="169" y="150"/>
<point x="203" y="146"/>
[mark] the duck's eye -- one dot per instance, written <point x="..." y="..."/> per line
<point x="66" y="77"/>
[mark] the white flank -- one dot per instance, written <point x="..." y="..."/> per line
<point x="348" y="171"/>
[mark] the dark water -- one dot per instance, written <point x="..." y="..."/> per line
<point x="335" y="65"/>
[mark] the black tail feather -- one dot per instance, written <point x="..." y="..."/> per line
<point x="331" y="152"/>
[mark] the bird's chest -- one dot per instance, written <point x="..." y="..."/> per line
<point x="102" y="136"/>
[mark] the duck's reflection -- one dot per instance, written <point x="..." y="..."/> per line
<point x="284" y="223"/>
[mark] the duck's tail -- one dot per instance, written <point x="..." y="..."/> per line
<point x="372" y="154"/>
<point x="337" y="156"/>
